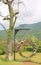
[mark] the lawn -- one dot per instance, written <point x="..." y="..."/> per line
<point x="35" y="60"/>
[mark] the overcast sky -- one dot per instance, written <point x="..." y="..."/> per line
<point x="29" y="14"/>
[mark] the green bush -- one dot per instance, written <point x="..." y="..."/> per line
<point x="2" y="52"/>
<point x="39" y="50"/>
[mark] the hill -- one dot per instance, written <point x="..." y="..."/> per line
<point x="35" y="26"/>
<point x="34" y="29"/>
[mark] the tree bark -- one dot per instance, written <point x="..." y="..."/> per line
<point x="9" y="50"/>
<point x="10" y="30"/>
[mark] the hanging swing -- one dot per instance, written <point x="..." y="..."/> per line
<point x="20" y="46"/>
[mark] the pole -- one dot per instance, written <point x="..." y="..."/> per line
<point x="14" y="46"/>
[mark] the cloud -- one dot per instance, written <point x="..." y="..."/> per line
<point x="32" y="14"/>
<point x="4" y="12"/>
<point x="29" y="13"/>
<point x="4" y="9"/>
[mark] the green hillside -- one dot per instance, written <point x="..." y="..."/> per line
<point x="34" y="30"/>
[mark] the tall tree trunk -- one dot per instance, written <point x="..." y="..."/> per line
<point x="9" y="50"/>
<point x="10" y="30"/>
<point x="9" y="47"/>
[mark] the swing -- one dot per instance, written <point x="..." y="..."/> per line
<point x="20" y="46"/>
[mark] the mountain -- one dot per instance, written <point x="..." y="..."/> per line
<point x="34" y="29"/>
<point x="35" y="26"/>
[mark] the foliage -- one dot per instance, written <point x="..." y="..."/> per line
<point x="3" y="45"/>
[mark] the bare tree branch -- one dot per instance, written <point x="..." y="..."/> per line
<point x="3" y="27"/>
<point x="16" y="13"/>
<point x="6" y="17"/>
<point x="6" y="1"/>
<point x="18" y="3"/>
<point x="15" y="20"/>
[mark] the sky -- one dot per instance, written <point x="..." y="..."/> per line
<point x="29" y="13"/>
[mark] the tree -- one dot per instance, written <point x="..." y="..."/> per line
<point x="10" y="17"/>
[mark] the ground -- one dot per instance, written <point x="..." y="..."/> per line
<point x="35" y="60"/>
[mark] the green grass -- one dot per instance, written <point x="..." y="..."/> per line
<point x="36" y="59"/>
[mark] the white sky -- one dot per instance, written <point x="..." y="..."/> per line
<point x="29" y="14"/>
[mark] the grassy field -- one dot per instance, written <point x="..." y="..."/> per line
<point x="20" y="61"/>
